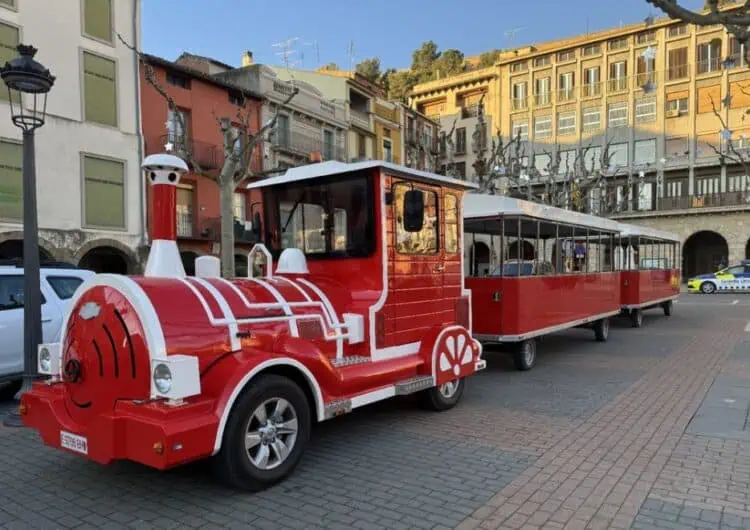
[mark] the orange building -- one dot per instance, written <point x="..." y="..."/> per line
<point x="201" y="100"/>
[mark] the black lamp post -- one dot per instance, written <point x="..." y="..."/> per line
<point x="24" y="75"/>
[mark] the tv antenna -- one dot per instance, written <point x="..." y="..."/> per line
<point x="511" y="34"/>
<point x="350" y="53"/>
<point x="286" y="49"/>
<point x="316" y="47"/>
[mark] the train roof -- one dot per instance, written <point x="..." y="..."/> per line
<point x="480" y="206"/>
<point x="628" y="230"/>
<point x="325" y="169"/>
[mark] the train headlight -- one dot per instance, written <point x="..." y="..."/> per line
<point x="162" y="378"/>
<point x="48" y="359"/>
<point x="175" y="377"/>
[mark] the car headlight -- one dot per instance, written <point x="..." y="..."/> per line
<point x="162" y="378"/>
<point x="45" y="360"/>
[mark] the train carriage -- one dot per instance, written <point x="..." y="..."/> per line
<point x="360" y="298"/>
<point x="648" y="261"/>
<point x="535" y="269"/>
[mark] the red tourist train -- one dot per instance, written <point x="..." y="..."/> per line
<point x="367" y="301"/>
<point x="650" y="273"/>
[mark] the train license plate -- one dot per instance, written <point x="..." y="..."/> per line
<point x="74" y="442"/>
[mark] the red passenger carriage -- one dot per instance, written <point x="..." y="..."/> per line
<point x="535" y="269"/>
<point x="366" y="302"/>
<point x="650" y="273"/>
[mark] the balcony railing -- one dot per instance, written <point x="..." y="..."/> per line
<point x="678" y="71"/>
<point x="520" y="103"/>
<point x="714" y="200"/>
<point x="566" y="94"/>
<point x="711" y="65"/>
<point x="543" y="98"/>
<point x="301" y="144"/>
<point x="208" y="155"/>
<point x="360" y="118"/>
<point x="618" y="84"/>
<point x="591" y="90"/>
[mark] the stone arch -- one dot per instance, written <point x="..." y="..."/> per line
<point x="526" y="250"/>
<point x="11" y="247"/>
<point x="188" y="261"/>
<point x="107" y="256"/>
<point x="704" y="252"/>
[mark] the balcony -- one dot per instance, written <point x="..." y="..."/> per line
<point x="360" y="118"/>
<point x="242" y="233"/>
<point x="300" y="144"/>
<point x="618" y="84"/>
<point x="590" y="90"/>
<point x="678" y="71"/>
<point x="735" y="200"/>
<point x="709" y="66"/>
<point x="542" y="98"/>
<point x="207" y="155"/>
<point x="418" y="139"/>
<point x="520" y="103"/>
<point x="469" y="111"/>
<point x="566" y="94"/>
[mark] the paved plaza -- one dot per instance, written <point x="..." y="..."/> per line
<point x="647" y="430"/>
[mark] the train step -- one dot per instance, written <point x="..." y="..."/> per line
<point x="413" y="384"/>
<point x="350" y="360"/>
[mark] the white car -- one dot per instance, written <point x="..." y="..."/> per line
<point x="59" y="282"/>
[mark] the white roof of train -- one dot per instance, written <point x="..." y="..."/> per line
<point x="477" y="206"/>
<point x="325" y="169"/>
<point x="628" y="230"/>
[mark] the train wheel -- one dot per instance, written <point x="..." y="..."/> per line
<point x="601" y="329"/>
<point x="667" y="307"/>
<point x="524" y="355"/>
<point x="266" y="434"/>
<point x="636" y="318"/>
<point x="445" y="396"/>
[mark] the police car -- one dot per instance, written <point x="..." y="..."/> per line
<point x="736" y="278"/>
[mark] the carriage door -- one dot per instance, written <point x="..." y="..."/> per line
<point x="417" y="267"/>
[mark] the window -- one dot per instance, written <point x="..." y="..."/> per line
<point x="707" y="145"/>
<point x="592" y="49"/>
<point x="592" y="158"/>
<point x="178" y="122"/>
<point x="520" y="93"/>
<point x="618" y="155"/>
<point x="239" y="204"/>
<point x="519" y="67"/>
<point x="236" y="98"/>
<point x="362" y="146"/>
<point x="184" y="210"/>
<point x="64" y="286"/>
<point x="11" y="293"/>
<point x="11" y="180"/>
<point x="676" y="146"/>
<point x="461" y="170"/>
<point x="709" y="98"/>
<point x="645" y="151"/>
<point x="451" y="223"/>
<point x="97" y="19"/>
<point x="328" y="145"/>
<point x="677" y="106"/>
<point x="567" y="55"/>
<point x="426" y="240"/>
<point x="592" y="119"/>
<point x="543" y="127"/>
<point x="736" y="53"/>
<point x="737" y="183"/>
<point x="645" y="37"/>
<point x="542" y="163"/>
<point x="176" y="79"/>
<point x="645" y="110"/>
<point x="674" y="188"/>
<point x="617" y="114"/>
<point x="9" y="37"/>
<point x="678" y="63"/>
<point x="677" y="30"/>
<point x="542" y="91"/>
<point x="461" y="140"/>
<point x="618" y="44"/>
<point x="567" y="162"/>
<point x="707" y="185"/>
<point x="323" y="219"/>
<point x="520" y="129"/>
<point x="591" y="78"/>
<point x="709" y="56"/>
<point x="387" y="150"/>
<point x="283" y="136"/>
<point x="645" y="196"/>
<point x="566" y="123"/>
<point x="542" y="61"/>
<point x="618" y="73"/>
<point x="645" y="70"/>
<point x="566" y="85"/>
<point x="104" y="192"/>
<point x="99" y="89"/>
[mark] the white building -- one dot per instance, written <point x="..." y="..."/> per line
<point x="90" y="192"/>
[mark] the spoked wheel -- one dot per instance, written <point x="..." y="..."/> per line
<point x="636" y="318"/>
<point x="667" y="307"/>
<point x="524" y="356"/>
<point x="265" y="436"/>
<point x="445" y="396"/>
<point x="601" y="329"/>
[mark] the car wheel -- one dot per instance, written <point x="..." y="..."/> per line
<point x="708" y="287"/>
<point x="266" y="434"/>
<point x="445" y="396"/>
<point x="524" y="355"/>
<point x="601" y="329"/>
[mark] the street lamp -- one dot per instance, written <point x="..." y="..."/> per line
<point x="24" y="75"/>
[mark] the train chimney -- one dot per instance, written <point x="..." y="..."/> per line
<point x="163" y="171"/>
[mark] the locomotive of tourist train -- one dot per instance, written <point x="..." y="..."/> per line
<point x="366" y="301"/>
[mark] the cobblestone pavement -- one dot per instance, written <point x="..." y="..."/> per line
<point x="648" y="430"/>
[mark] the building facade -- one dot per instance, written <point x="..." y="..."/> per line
<point x="201" y="99"/>
<point x="655" y="98"/>
<point x="90" y="190"/>
<point x="310" y="127"/>
<point x="419" y="140"/>
<point x="388" y="132"/>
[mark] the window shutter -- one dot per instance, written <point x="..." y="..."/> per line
<point x="8" y="43"/>
<point x="740" y="92"/>
<point x="97" y="19"/>
<point x="707" y="95"/>
<point x="105" y="198"/>
<point x="100" y="92"/>
<point x="11" y="180"/>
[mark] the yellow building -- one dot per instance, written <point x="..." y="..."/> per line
<point x="648" y="92"/>
<point x="388" y="134"/>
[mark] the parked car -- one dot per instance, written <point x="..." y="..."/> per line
<point x="59" y="282"/>
<point x="735" y="278"/>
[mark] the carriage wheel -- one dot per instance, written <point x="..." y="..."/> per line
<point x="445" y="396"/>
<point x="636" y="318"/>
<point x="601" y="329"/>
<point x="524" y="355"/>
<point x="667" y="307"/>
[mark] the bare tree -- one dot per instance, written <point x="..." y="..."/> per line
<point x="239" y="144"/>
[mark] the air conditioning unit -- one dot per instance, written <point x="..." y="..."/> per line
<point x="673" y="113"/>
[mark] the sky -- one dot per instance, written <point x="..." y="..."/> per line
<point x="389" y="29"/>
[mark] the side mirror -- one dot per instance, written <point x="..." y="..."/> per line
<point x="257" y="225"/>
<point x="413" y="210"/>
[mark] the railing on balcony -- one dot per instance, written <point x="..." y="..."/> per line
<point x="566" y="94"/>
<point x="618" y="84"/>
<point x="520" y="103"/>
<point x="678" y="71"/>
<point x="303" y="144"/>
<point x="542" y="98"/>
<point x="360" y="118"/>
<point x="591" y="90"/>
<point x="208" y="155"/>
<point x="734" y="198"/>
<point x="711" y="65"/>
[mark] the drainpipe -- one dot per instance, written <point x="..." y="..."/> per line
<point x="138" y="132"/>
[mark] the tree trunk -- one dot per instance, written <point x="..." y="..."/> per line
<point x="227" y="228"/>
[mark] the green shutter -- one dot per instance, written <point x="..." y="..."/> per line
<point x="11" y="180"/>
<point x="100" y="80"/>
<point x="97" y="19"/>
<point x="105" y="198"/>
<point x="8" y="44"/>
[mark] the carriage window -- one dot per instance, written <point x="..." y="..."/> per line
<point x="451" y="224"/>
<point x="426" y="240"/>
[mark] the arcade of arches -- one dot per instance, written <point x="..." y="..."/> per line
<point x="97" y="256"/>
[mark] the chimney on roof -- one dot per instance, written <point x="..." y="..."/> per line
<point x="247" y="58"/>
